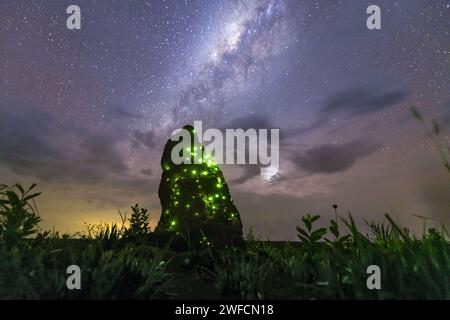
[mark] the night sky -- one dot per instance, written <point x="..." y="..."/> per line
<point x="86" y="113"/>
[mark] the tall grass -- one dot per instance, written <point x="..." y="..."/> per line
<point x="33" y="265"/>
<point x="122" y="262"/>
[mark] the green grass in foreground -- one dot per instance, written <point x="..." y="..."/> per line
<point x="119" y="262"/>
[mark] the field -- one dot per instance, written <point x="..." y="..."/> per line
<point x="126" y="262"/>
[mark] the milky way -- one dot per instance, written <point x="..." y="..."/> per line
<point x="86" y="113"/>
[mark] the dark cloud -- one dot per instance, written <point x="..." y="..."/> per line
<point x="34" y="143"/>
<point x="445" y="118"/>
<point x="250" y="122"/>
<point x="145" y="138"/>
<point x="118" y="113"/>
<point x="250" y="171"/>
<point x="101" y="151"/>
<point x="362" y="101"/>
<point x="331" y="158"/>
<point x="147" y="171"/>
<point x="25" y="137"/>
<point x="296" y="131"/>
<point x="352" y="103"/>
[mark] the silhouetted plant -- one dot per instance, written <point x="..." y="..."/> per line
<point x="33" y="265"/>
<point x="139" y="221"/>
<point x="18" y="218"/>
<point x="435" y="135"/>
<point x="308" y="235"/>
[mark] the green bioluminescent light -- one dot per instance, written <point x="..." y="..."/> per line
<point x="197" y="196"/>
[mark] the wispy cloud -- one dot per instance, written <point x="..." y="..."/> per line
<point x="333" y="158"/>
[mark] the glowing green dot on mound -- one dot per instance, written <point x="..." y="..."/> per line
<point x="217" y="195"/>
<point x="173" y="223"/>
<point x="204" y="173"/>
<point x="194" y="172"/>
